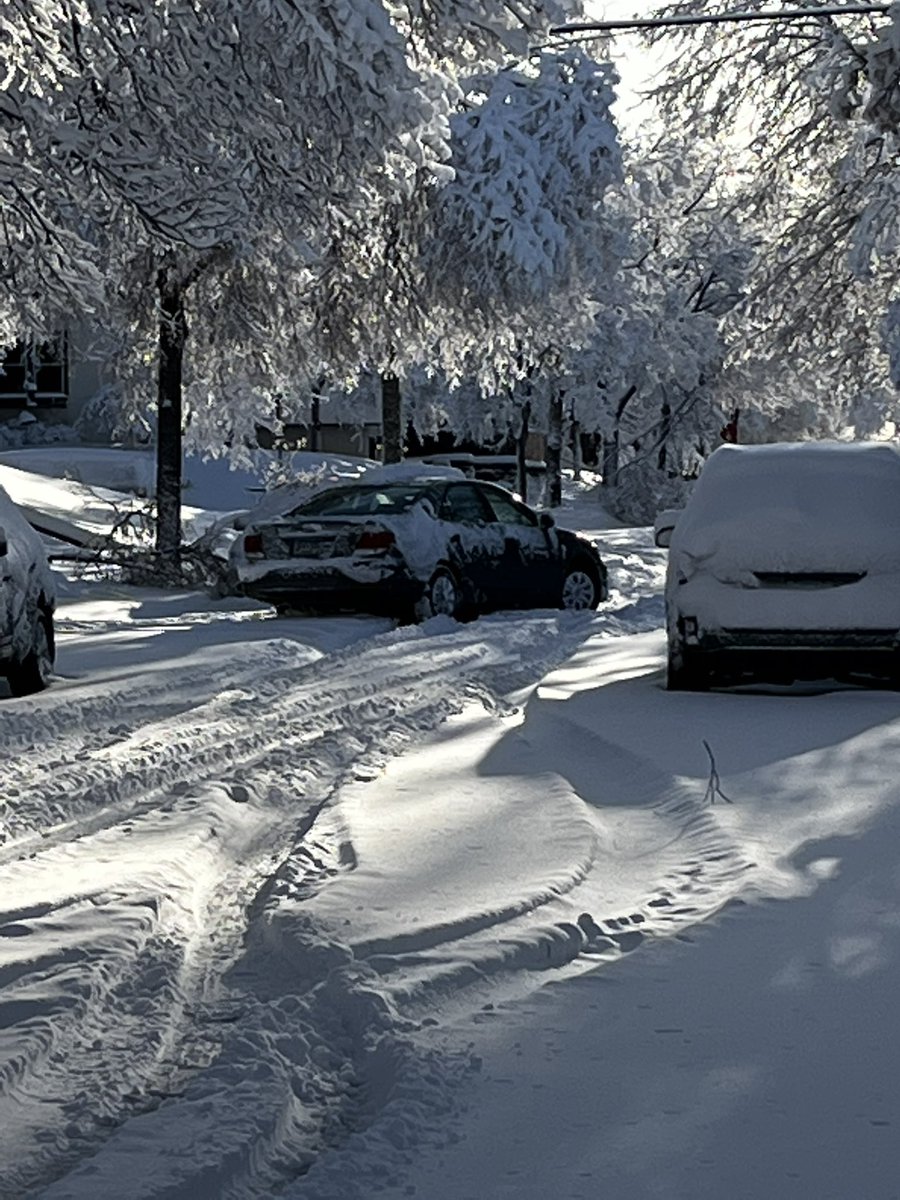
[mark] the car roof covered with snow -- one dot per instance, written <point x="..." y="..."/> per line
<point x="811" y="500"/>
<point x="291" y="495"/>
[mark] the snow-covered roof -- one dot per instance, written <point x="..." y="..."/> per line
<point x="411" y="471"/>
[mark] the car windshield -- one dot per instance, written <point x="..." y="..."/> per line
<point x="362" y="501"/>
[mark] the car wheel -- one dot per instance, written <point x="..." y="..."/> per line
<point x="581" y="588"/>
<point x="442" y="596"/>
<point x="686" y="674"/>
<point x="32" y="673"/>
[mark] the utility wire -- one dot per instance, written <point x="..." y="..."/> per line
<point x="790" y="14"/>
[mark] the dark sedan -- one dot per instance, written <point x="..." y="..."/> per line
<point x="417" y="549"/>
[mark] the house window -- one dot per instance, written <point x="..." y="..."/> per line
<point x="35" y="374"/>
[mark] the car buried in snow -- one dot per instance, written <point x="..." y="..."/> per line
<point x="27" y="601"/>
<point x="784" y="565"/>
<point x="416" y="548"/>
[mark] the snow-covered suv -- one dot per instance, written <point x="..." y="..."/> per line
<point x="785" y="564"/>
<point x="27" y="600"/>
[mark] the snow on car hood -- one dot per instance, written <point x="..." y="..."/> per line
<point x="799" y="508"/>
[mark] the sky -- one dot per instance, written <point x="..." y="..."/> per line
<point x="635" y="63"/>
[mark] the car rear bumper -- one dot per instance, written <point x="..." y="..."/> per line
<point x="333" y="591"/>
<point x="800" y="640"/>
<point x="799" y="654"/>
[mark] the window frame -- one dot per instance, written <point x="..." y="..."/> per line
<point x="31" y="360"/>
<point x="531" y="521"/>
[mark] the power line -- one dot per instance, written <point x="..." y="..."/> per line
<point x="792" y="14"/>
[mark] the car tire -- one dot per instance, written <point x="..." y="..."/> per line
<point x="442" y="596"/>
<point x="581" y="588"/>
<point x="32" y="673"/>
<point x="685" y="674"/>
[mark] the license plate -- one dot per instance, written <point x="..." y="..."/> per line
<point x="311" y="547"/>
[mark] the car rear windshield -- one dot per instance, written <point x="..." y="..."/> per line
<point x="361" y="501"/>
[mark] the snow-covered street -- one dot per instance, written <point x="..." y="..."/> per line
<point x="323" y="908"/>
<point x="565" y="337"/>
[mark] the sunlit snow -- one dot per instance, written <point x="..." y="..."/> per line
<point x="327" y="909"/>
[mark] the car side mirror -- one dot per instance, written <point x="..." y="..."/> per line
<point x="4" y="543"/>
<point x="545" y="520"/>
<point x="664" y="527"/>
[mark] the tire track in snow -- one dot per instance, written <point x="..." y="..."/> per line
<point x="395" y="1083"/>
<point x="114" y="1014"/>
<point x="377" y="1085"/>
<point x="560" y="926"/>
<point x="80" y="715"/>
<point x="324" y="1033"/>
<point x="91" y="787"/>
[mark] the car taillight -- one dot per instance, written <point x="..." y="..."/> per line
<point x="376" y="539"/>
<point x="253" y="543"/>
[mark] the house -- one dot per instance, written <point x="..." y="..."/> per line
<point x="47" y="379"/>
<point x="55" y="380"/>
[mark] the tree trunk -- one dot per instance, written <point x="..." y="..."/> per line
<point x="575" y="443"/>
<point x="665" y="429"/>
<point x="611" y="442"/>
<point x="610" y="468"/>
<point x="172" y="337"/>
<point x="391" y="419"/>
<point x="315" y="422"/>
<point x="521" y="452"/>
<point x="554" y="449"/>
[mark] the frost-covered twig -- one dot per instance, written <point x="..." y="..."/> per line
<point x="714" y="787"/>
<point x="126" y="551"/>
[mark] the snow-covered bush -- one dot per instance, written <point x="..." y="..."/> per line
<point x="643" y="491"/>
<point x="27" y="430"/>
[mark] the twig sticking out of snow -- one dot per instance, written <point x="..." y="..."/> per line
<point x="714" y="787"/>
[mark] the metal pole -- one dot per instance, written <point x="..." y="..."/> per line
<point x="791" y="14"/>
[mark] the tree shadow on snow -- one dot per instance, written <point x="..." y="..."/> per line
<point x="623" y="741"/>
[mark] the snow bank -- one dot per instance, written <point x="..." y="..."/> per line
<point x="118" y="469"/>
<point x="70" y="511"/>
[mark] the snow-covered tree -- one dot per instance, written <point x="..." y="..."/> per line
<point x="197" y="160"/>
<point x="475" y="256"/>
<point x="813" y="103"/>
<point x="647" y="378"/>
<point x="521" y="231"/>
<point x="533" y="154"/>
